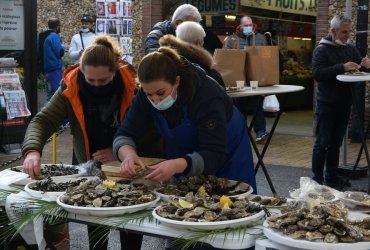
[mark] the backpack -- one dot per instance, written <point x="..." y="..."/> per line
<point x="40" y="49"/>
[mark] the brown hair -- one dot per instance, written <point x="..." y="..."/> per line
<point x="104" y="51"/>
<point x="165" y="64"/>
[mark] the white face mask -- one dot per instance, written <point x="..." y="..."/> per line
<point x="339" y="42"/>
<point x="86" y="30"/>
<point x="166" y="103"/>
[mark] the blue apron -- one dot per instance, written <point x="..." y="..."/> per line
<point x="183" y="139"/>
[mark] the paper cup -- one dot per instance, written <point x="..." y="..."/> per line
<point x="254" y="84"/>
<point x="240" y="84"/>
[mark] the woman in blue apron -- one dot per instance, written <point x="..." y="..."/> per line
<point x="203" y="132"/>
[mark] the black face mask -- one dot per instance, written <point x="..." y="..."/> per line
<point x="105" y="90"/>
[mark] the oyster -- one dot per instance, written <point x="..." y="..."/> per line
<point x="315" y="235"/>
<point x="330" y="238"/>
<point x="298" y="234"/>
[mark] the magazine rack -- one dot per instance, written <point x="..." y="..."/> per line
<point x="12" y="104"/>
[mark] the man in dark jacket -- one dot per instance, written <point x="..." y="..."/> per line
<point x="185" y="12"/>
<point x="333" y="56"/>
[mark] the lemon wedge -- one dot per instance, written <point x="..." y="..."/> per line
<point x="109" y="183"/>
<point x="185" y="204"/>
<point x="202" y="190"/>
<point x="224" y="200"/>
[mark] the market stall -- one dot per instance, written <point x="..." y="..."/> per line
<point x="313" y="217"/>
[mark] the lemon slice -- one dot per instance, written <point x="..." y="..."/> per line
<point x="202" y="190"/>
<point x="224" y="200"/>
<point x="109" y="183"/>
<point x="185" y="204"/>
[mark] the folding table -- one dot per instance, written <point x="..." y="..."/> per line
<point x="265" y="91"/>
<point x="348" y="79"/>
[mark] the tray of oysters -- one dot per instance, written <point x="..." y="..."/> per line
<point x="201" y="211"/>
<point x="356" y="198"/>
<point x="52" y="188"/>
<point x="51" y="170"/>
<point x="107" y="198"/>
<point x="213" y="185"/>
<point x="320" y="227"/>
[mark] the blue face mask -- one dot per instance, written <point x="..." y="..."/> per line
<point x="86" y="30"/>
<point x="247" y="30"/>
<point x="166" y="103"/>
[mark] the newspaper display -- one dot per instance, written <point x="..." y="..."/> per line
<point x="114" y="17"/>
<point x="13" y="101"/>
<point x="9" y="82"/>
<point x="16" y="104"/>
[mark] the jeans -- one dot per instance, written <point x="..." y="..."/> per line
<point x="52" y="82"/>
<point x="253" y="103"/>
<point x="331" y="124"/>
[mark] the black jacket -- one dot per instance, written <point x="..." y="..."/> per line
<point x="210" y="109"/>
<point x="194" y="54"/>
<point x="159" y="29"/>
<point x="327" y="62"/>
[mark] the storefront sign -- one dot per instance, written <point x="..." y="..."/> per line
<point x="216" y="6"/>
<point x="302" y="7"/>
<point x="11" y="25"/>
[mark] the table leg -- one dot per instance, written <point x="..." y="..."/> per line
<point x="255" y="148"/>
<point x="363" y="138"/>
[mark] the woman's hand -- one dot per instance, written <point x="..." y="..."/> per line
<point x="104" y="155"/>
<point x="32" y="164"/>
<point x="164" y="170"/>
<point x="129" y="159"/>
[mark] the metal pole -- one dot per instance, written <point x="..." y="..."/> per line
<point x="345" y="139"/>
<point x="54" y="154"/>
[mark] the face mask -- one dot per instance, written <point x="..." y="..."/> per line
<point x="85" y="30"/>
<point x="247" y="30"/>
<point x="166" y="103"/>
<point x="339" y="42"/>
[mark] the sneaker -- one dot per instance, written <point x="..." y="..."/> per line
<point x="261" y="135"/>
<point x="337" y="183"/>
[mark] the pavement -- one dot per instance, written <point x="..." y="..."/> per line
<point x="287" y="159"/>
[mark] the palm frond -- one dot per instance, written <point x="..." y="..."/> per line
<point x="187" y="241"/>
<point x="4" y="193"/>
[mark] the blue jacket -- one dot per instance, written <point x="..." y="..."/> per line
<point x="248" y="41"/>
<point x="53" y="53"/>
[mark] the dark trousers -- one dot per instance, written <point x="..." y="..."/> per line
<point x="129" y="241"/>
<point x="252" y="104"/>
<point x="331" y="124"/>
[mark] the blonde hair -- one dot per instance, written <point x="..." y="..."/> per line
<point x="104" y="51"/>
<point x="190" y="32"/>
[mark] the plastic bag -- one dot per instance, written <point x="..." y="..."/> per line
<point x="271" y="104"/>
<point x="313" y="193"/>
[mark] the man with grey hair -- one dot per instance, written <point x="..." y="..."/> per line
<point x="191" y="32"/>
<point x="185" y="12"/>
<point x="333" y="56"/>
